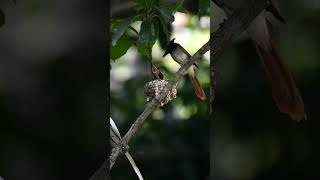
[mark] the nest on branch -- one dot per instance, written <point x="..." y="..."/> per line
<point x="153" y="89"/>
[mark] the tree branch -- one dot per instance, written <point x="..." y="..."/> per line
<point x="154" y="104"/>
<point x="235" y="25"/>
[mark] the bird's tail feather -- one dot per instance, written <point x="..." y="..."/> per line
<point x="197" y="87"/>
<point x="284" y="90"/>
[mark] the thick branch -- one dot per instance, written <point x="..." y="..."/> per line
<point x="155" y="103"/>
<point x="235" y="25"/>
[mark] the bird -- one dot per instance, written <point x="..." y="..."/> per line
<point x="181" y="56"/>
<point x="284" y="91"/>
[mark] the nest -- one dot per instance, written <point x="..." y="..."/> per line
<point x="153" y="89"/>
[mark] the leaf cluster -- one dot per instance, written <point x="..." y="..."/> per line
<point x="155" y="16"/>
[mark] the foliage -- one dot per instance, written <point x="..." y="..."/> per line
<point x="156" y="17"/>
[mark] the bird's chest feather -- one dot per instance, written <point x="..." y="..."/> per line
<point x="179" y="56"/>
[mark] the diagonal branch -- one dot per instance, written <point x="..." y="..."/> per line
<point x="154" y="104"/>
<point x="237" y="23"/>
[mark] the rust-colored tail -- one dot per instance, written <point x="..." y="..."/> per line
<point x="284" y="90"/>
<point x="197" y="87"/>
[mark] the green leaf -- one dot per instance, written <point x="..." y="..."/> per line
<point x="156" y="25"/>
<point x="167" y="14"/>
<point x="203" y="8"/>
<point x="121" y="47"/>
<point x="119" y="30"/>
<point x="149" y="32"/>
<point x="164" y="33"/>
<point x="142" y="49"/>
<point x="2" y="18"/>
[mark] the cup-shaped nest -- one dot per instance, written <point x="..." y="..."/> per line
<point x="153" y="89"/>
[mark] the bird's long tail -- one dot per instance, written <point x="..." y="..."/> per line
<point x="284" y="90"/>
<point x="196" y="85"/>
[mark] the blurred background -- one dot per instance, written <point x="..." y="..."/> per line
<point x="251" y="139"/>
<point x="53" y="99"/>
<point x="174" y="140"/>
<point x="52" y="89"/>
